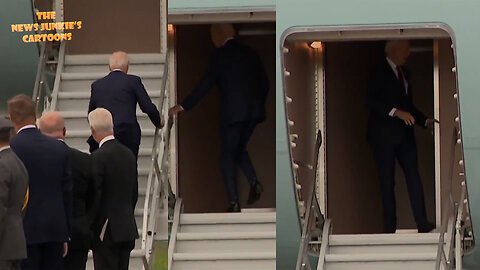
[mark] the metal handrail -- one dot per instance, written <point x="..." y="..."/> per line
<point x="327" y="228"/>
<point x="175" y="226"/>
<point x="41" y="83"/>
<point x="459" y="230"/>
<point x="453" y="213"/>
<point x="311" y="211"/>
<point x="149" y="215"/>
<point x="58" y="76"/>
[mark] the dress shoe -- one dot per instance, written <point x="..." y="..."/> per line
<point x="255" y="192"/>
<point x="234" y="207"/>
<point x="426" y="228"/>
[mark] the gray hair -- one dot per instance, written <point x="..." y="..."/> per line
<point x="119" y="60"/>
<point x="51" y="124"/>
<point x="101" y="120"/>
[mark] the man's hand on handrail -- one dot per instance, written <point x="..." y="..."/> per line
<point x="175" y="110"/>
<point x="430" y="124"/>
<point x="162" y="123"/>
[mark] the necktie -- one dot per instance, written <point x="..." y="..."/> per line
<point x="401" y="79"/>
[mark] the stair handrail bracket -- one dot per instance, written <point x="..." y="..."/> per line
<point x="313" y="216"/>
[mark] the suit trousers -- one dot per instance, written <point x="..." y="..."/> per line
<point x="405" y="151"/>
<point x="10" y="265"/>
<point x="76" y="259"/>
<point x="45" y="256"/>
<point x="108" y="255"/>
<point x="234" y="152"/>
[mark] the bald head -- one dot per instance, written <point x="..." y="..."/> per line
<point x="221" y="32"/>
<point x="52" y="125"/>
<point x="398" y="51"/>
<point x="119" y="60"/>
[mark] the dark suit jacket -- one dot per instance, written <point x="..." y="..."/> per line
<point x="83" y="199"/>
<point x="115" y="169"/>
<point x="13" y="186"/>
<point x="119" y="93"/>
<point x="384" y="93"/>
<point x="238" y="73"/>
<point x="49" y="211"/>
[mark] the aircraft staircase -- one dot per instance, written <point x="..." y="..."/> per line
<point x="380" y="251"/>
<point x="441" y="249"/>
<point x="75" y="73"/>
<point x="217" y="241"/>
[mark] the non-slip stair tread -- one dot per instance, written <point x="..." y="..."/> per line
<point x="384" y="239"/>
<point x="184" y="236"/>
<point x="227" y="218"/>
<point x="417" y="256"/>
<point x="103" y="59"/>
<point x="224" y="256"/>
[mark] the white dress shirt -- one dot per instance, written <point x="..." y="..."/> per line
<point x="394" y="67"/>
<point x="5" y="148"/>
<point x="106" y="139"/>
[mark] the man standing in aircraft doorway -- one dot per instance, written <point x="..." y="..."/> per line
<point x="390" y="133"/>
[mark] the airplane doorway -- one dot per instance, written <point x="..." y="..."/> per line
<point x="199" y="180"/>
<point x="325" y="87"/>
<point x="351" y="169"/>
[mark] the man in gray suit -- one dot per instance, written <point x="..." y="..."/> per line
<point x="13" y="190"/>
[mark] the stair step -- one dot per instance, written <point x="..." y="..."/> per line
<point x="103" y="59"/>
<point x="84" y="85"/>
<point x="226" y="227"/>
<point x="258" y="210"/>
<point x="225" y="245"/>
<point x="225" y="235"/>
<point x="227" y="218"/>
<point x="224" y="256"/>
<point x="397" y="265"/>
<point x="418" y="256"/>
<point x="132" y="68"/>
<point x="264" y="264"/>
<point x="97" y="75"/>
<point x="382" y="249"/>
<point x="141" y="152"/>
<point x="86" y="133"/>
<point x="80" y="142"/>
<point x="136" y="253"/>
<point x="84" y="113"/>
<point x="86" y="95"/>
<point x="384" y="239"/>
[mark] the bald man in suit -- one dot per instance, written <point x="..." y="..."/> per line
<point x="52" y="125"/>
